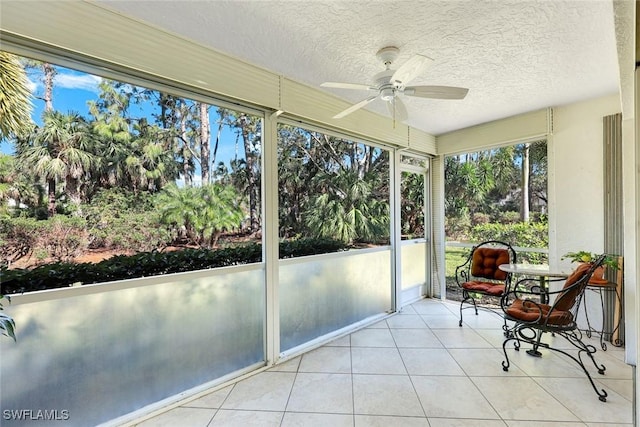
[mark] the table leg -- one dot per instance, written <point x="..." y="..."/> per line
<point x="544" y="296"/>
<point x="534" y="351"/>
<point x="544" y="299"/>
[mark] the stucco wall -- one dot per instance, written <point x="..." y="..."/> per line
<point x="576" y="188"/>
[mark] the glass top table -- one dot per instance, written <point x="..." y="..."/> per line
<point x="540" y="270"/>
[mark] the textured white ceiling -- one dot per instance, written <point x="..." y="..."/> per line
<point x="514" y="56"/>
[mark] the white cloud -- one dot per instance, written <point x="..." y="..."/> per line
<point x="78" y="81"/>
<point x="32" y="85"/>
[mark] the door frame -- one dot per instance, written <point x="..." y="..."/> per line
<point x="424" y="170"/>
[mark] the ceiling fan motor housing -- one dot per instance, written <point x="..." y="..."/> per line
<point x="385" y="86"/>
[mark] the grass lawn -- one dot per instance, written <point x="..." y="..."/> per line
<point x="454" y="257"/>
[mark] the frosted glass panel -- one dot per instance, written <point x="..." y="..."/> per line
<point x="414" y="263"/>
<point x="324" y="293"/>
<point x="103" y="355"/>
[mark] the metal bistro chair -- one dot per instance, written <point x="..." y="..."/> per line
<point x="480" y="275"/>
<point x="532" y="318"/>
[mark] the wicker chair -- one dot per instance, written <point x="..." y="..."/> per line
<point x="480" y="275"/>
<point x="531" y="318"/>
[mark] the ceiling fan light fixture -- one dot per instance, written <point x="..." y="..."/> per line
<point x="387" y="94"/>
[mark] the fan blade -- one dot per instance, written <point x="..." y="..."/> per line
<point x="355" y="107"/>
<point x="436" y="92"/>
<point x="358" y="86"/>
<point x="411" y="69"/>
<point x="397" y="109"/>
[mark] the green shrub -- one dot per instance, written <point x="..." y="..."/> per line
<point x="508" y="217"/>
<point x="522" y="234"/>
<point x="457" y="228"/>
<point x="18" y="236"/>
<point x="153" y="263"/>
<point x="136" y="232"/>
<point x="59" y="238"/>
<point x="304" y="247"/>
<point x="124" y="221"/>
<point x="480" y="218"/>
<point x="62" y="237"/>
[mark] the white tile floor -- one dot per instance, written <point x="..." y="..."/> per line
<point x="418" y="368"/>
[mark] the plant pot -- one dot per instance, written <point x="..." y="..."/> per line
<point x="598" y="276"/>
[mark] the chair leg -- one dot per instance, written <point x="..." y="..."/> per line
<point x="506" y="329"/>
<point x="511" y="334"/>
<point x="505" y="362"/>
<point x="465" y="297"/>
<point x="589" y="350"/>
<point x="529" y="335"/>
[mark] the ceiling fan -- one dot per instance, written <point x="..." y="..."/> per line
<point x="389" y="83"/>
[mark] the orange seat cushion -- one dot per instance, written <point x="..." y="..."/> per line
<point x="530" y="312"/>
<point x="485" y="263"/>
<point x="484" y="287"/>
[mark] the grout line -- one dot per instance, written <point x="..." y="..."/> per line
<point x="537" y="380"/>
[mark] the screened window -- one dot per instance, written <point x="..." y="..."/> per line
<point x="107" y="168"/>
<point x="332" y="188"/>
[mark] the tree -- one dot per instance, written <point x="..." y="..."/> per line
<point x="204" y="213"/>
<point x="205" y="142"/>
<point x="468" y="180"/>
<point x="524" y="210"/>
<point x="412" y="210"/>
<point x="19" y="186"/>
<point x="347" y="210"/>
<point x="538" y="176"/>
<point x="58" y="151"/>
<point x="133" y="153"/>
<point x="250" y="131"/>
<point x="332" y="187"/>
<point x="497" y="181"/>
<point x="15" y="97"/>
<point x="7" y="175"/>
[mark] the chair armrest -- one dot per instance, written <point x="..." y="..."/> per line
<point x="463" y="271"/>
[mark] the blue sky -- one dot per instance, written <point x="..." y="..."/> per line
<point x="72" y="91"/>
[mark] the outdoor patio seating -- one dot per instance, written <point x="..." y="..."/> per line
<point x="479" y="276"/>
<point x="532" y="318"/>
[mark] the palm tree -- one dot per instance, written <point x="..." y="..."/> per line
<point x="331" y="187"/>
<point x="7" y="175"/>
<point x="150" y="163"/>
<point x="131" y="152"/>
<point x="59" y="152"/>
<point x="15" y="101"/>
<point x="204" y="213"/>
<point x="346" y="210"/>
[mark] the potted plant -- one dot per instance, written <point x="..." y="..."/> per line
<point x="7" y="324"/>
<point x="587" y="257"/>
